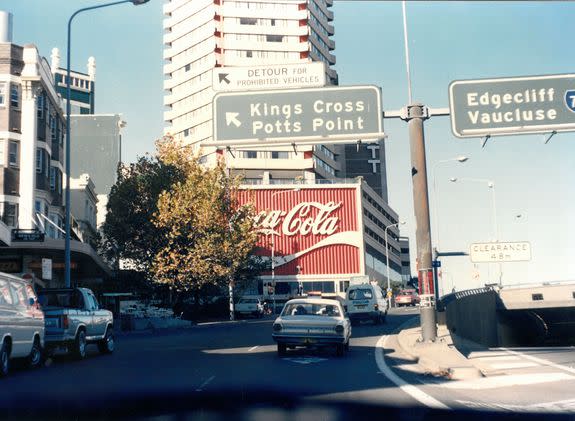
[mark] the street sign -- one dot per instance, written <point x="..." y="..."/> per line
<point x="510" y="106"/>
<point x="284" y="76"/>
<point x="27" y="235"/>
<point x="500" y="252"/>
<point x="47" y="269"/>
<point x="298" y="116"/>
<point x="436" y="263"/>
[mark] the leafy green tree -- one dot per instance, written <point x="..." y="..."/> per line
<point x="209" y="236"/>
<point x="129" y="231"/>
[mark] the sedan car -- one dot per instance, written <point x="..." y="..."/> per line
<point x="407" y="297"/>
<point x="312" y="323"/>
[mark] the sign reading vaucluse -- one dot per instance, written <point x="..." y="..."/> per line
<point x="507" y="106"/>
<point x="302" y="116"/>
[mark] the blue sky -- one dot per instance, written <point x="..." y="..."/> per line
<point x="448" y="41"/>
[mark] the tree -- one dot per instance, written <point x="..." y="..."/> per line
<point x="129" y="231"/>
<point x="208" y="235"/>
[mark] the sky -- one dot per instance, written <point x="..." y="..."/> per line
<point x="534" y="190"/>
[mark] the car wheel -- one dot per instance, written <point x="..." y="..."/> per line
<point x="282" y="349"/>
<point x="340" y="350"/>
<point x="35" y="356"/>
<point x="106" y="345"/>
<point x="383" y="317"/>
<point x="80" y="345"/>
<point x="4" y="360"/>
<point x="347" y="346"/>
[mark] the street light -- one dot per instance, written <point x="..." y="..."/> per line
<point x="460" y="159"/>
<point x="387" y="258"/>
<point x="68" y="107"/>
<point x="273" y="245"/>
<point x="491" y="185"/>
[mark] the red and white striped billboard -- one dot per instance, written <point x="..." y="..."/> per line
<point x="316" y="229"/>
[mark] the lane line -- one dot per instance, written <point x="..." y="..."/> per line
<point x="512" y="365"/>
<point x="204" y="384"/>
<point x="253" y="348"/>
<point x="506" y="381"/>
<point x="411" y="390"/>
<point x="540" y="361"/>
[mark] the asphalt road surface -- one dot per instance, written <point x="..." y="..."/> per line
<point x="242" y="356"/>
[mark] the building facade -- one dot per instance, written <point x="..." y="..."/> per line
<point x="32" y="169"/>
<point x="323" y="235"/>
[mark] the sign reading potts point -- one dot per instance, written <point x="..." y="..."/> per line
<point x="508" y="106"/>
<point x="500" y="252"/>
<point x="300" y="116"/>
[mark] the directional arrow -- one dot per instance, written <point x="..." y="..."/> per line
<point x="232" y="118"/>
<point x="224" y="77"/>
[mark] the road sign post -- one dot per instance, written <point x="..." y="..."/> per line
<point x="510" y="106"/>
<point x="297" y="116"/>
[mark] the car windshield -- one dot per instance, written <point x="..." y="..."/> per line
<point x="360" y="294"/>
<point x="309" y="309"/>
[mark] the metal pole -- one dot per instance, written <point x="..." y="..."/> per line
<point x="68" y="109"/>
<point x="387" y="265"/>
<point x="496" y="228"/>
<point x="409" y="100"/>
<point x="231" y="290"/>
<point x="415" y="117"/>
<point x="273" y="273"/>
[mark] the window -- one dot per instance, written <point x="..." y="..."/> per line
<point x="186" y="132"/>
<point x="248" y="21"/>
<point x="52" y="178"/>
<point x="13" y="154"/>
<point x="249" y="154"/>
<point x="280" y="155"/>
<point x="15" y="96"/>
<point x="40" y="106"/>
<point x="249" y="53"/>
<point x="2" y="94"/>
<point x="274" y="38"/>
<point x="39" y="160"/>
<point x="187" y="68"/>
<point x="9" y="213"/>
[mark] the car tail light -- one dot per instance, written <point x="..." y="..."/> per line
<point x="65" y="322"/>
<point x="277" y="327"/>
<point x="339" y="329"/>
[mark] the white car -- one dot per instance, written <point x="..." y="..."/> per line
<point x="312" y="323"/>
<point x="366" y="302"/>
<point x="249" y="307"/>
<point x="21" y="323"/>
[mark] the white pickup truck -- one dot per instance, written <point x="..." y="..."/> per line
<point x="73" y="319"/>
<point x="249" y="306"/>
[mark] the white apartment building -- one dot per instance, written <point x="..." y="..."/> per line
<point x="203" y="34"/>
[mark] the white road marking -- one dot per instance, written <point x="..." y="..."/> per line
<point x="558" y="406"/>
<point x="411" y="390"/>
<point x="512" y="365"/>
<point x="305" y="360"/>
<point x="540" y="361"/>
<point x="506" y="381"/>
<point x="204" y="384"/>
<point x="253" y="348"/>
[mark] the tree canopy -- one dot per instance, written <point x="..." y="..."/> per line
<point x="180" y="221"/>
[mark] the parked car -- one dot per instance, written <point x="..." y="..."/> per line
<point x="21" y="323"/>
<point x="407" y="297"/>
<point x="366" y="302"/>
<point x="73" y="319"/>
<point x="312" y="323"/>
<point x="249" y="307"/>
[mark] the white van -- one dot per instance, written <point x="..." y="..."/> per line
<point x="366" y="302"/>
<point x="21" y="323"/>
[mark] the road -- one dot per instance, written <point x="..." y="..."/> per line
<point x="241" y="356"/>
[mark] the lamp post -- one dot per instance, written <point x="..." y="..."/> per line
<point x="491" y="185"/>
<point x="68" y="107"/>
<point x="387" y="258"/>
<point x="273" y="246"/>
<point x="460" y="159"/>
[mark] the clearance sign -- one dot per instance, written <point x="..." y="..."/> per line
<point x="500" y="252"/>
<point x="507" y="106"/>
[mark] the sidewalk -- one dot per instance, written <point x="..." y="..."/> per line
<point x="440" y="358"/>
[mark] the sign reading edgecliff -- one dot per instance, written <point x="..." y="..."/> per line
<point x="303" y="116"/>
<point x="507" y="106"/>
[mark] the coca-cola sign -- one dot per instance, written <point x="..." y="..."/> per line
<point x="301" y="219"/>
<point x="311" y="231"/>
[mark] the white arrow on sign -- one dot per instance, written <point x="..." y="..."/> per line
<point x="232" y="118"/>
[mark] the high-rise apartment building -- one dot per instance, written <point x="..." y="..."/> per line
<point x="203" y="34"/>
